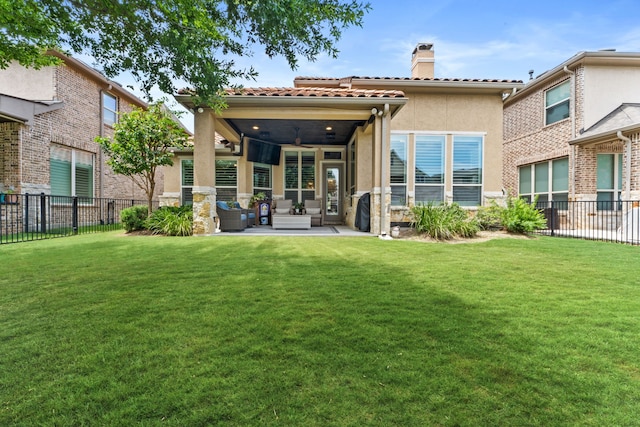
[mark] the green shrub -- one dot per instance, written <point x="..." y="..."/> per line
<point x="490" y="217"/>
<point x="522" y="217"/>
<point x="133" y="218"/>
<point x="172" y="221"/>
<point x="444" y="221"/>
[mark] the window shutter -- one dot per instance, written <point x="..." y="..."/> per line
<point x="398" y="159"/>
<point x="60" y="171"/>
<point x="429" y="160"/>
<point x="84" y="174"/>
<point x="467" y="160"/>
<point x="261" y="175"/>
<point x="226" y="173"/>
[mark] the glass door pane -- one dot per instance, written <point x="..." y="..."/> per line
<point x="332" y="196"/>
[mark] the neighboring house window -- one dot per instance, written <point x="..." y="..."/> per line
<point x="187" y="182"/>
<point x="398" y="170"/>
<point x="109" y="109"/>
<point x="262" y="179"/>
<point x="226" y="180"/>
<point x="299" y="175"/>
<point x="467" y="170"/>
<point x="556" y="103"/>
<point x="609" y="178"/>
<point x="429" y="168"/>
<point x="547" y="180"/>
<point x="71" y="173"/>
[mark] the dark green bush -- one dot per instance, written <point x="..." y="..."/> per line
<point x="133" y="218"/>
<point x="522" y="217"/>
<point x="172" y="221"/>
<point x="444" y="221"/>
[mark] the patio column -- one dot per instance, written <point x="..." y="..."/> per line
<point x="204" y="157"/>
<point x="381" y="195"/>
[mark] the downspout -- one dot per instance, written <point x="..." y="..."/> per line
<point x="572" y="102"/>
<point x="627" y="164"/>
<point x="383" y="172"/>
<point x="101" y="153"/>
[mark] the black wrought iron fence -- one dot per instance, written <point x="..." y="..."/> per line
<point x="26" y="217"/>
<point x="612" y="221"/>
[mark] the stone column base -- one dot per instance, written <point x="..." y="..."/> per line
<point x="204" y="213"/>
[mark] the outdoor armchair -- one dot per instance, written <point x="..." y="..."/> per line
<point x="314" y="209"/>
<point x="231" y="219"/>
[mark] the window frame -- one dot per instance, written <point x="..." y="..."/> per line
<point x="228" y="191"/>
<point x="548" y="107"/>
<point x="479" y="175"/>
<point x="186" y="188"/>
<point x="107" y="111"/>
<point x="613" y="203"/>
<point x="428" y="138"/>
<point x="300" y="193"/>
<point x="559" y="196"/>
<point x="74" y="156"/>
<point x="397" y="182"/>
<point x="268" y="190"/>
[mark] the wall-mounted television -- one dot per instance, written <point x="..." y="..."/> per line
<point x="263" y="152"/>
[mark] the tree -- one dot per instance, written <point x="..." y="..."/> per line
<point x="142" y="141"/>
<point x="163" y="41"/>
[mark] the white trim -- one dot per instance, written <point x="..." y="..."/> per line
<point x="439" y="132"/>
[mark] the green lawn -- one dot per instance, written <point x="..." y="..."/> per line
<point x="241" y="331"/>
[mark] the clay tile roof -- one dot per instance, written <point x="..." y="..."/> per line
<point x="329" y="79"/>
<point x="316" y="91"/>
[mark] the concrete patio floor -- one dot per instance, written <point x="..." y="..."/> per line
<point x="324" y="231"/>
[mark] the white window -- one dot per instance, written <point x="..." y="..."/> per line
<point x="262" y="179"/>
<point x="467" y="170"/>
<point x="186" y="172"/>
<point x="398" y="175"/>
<point x="609" y="178"/>
<point x="429" y="168"/>
<point x="299" y="175"/>
<point x="109" y="109"/>
<point x="71" y="173"/>
<point x="226" y="180"/>
<point x="556" y="103"/>
<point x="549" y="181"/>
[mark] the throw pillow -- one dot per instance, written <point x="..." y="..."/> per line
<point x="313" y="211"/>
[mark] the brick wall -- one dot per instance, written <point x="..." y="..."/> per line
<point x="76" y="125"/>
<point x="526" y="138"/>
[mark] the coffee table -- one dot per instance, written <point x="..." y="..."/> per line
<point x="291" y="221"/>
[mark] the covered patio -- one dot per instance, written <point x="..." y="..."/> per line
<point x="327" y="144"/>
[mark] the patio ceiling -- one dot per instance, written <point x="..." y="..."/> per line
<point x="318" y="116"/>
<point x="285" y="131"/>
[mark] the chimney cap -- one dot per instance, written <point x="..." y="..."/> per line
<point x="423" y="46"/>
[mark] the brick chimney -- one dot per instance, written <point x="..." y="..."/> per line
<point x="422" y="61"/>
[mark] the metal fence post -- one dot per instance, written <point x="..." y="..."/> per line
<point x="553" y="217"/>
<point x="74" y="215"/>
<point x="25" y="223"/>
<point x="43" y="213"/>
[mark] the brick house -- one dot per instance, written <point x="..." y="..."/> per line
<point x="49" y="119"/>
<point x="571" y="134"/>
<point x="402" y="141"/>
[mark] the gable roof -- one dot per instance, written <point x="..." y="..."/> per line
<point x="13" y="109"/>
<point x="602" y="57"/>
<point x="624" y="118"/>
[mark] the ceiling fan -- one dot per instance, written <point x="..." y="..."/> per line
<point x="298" y="141"/>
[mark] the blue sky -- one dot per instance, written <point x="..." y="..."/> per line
<point x="472" y="39"/>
